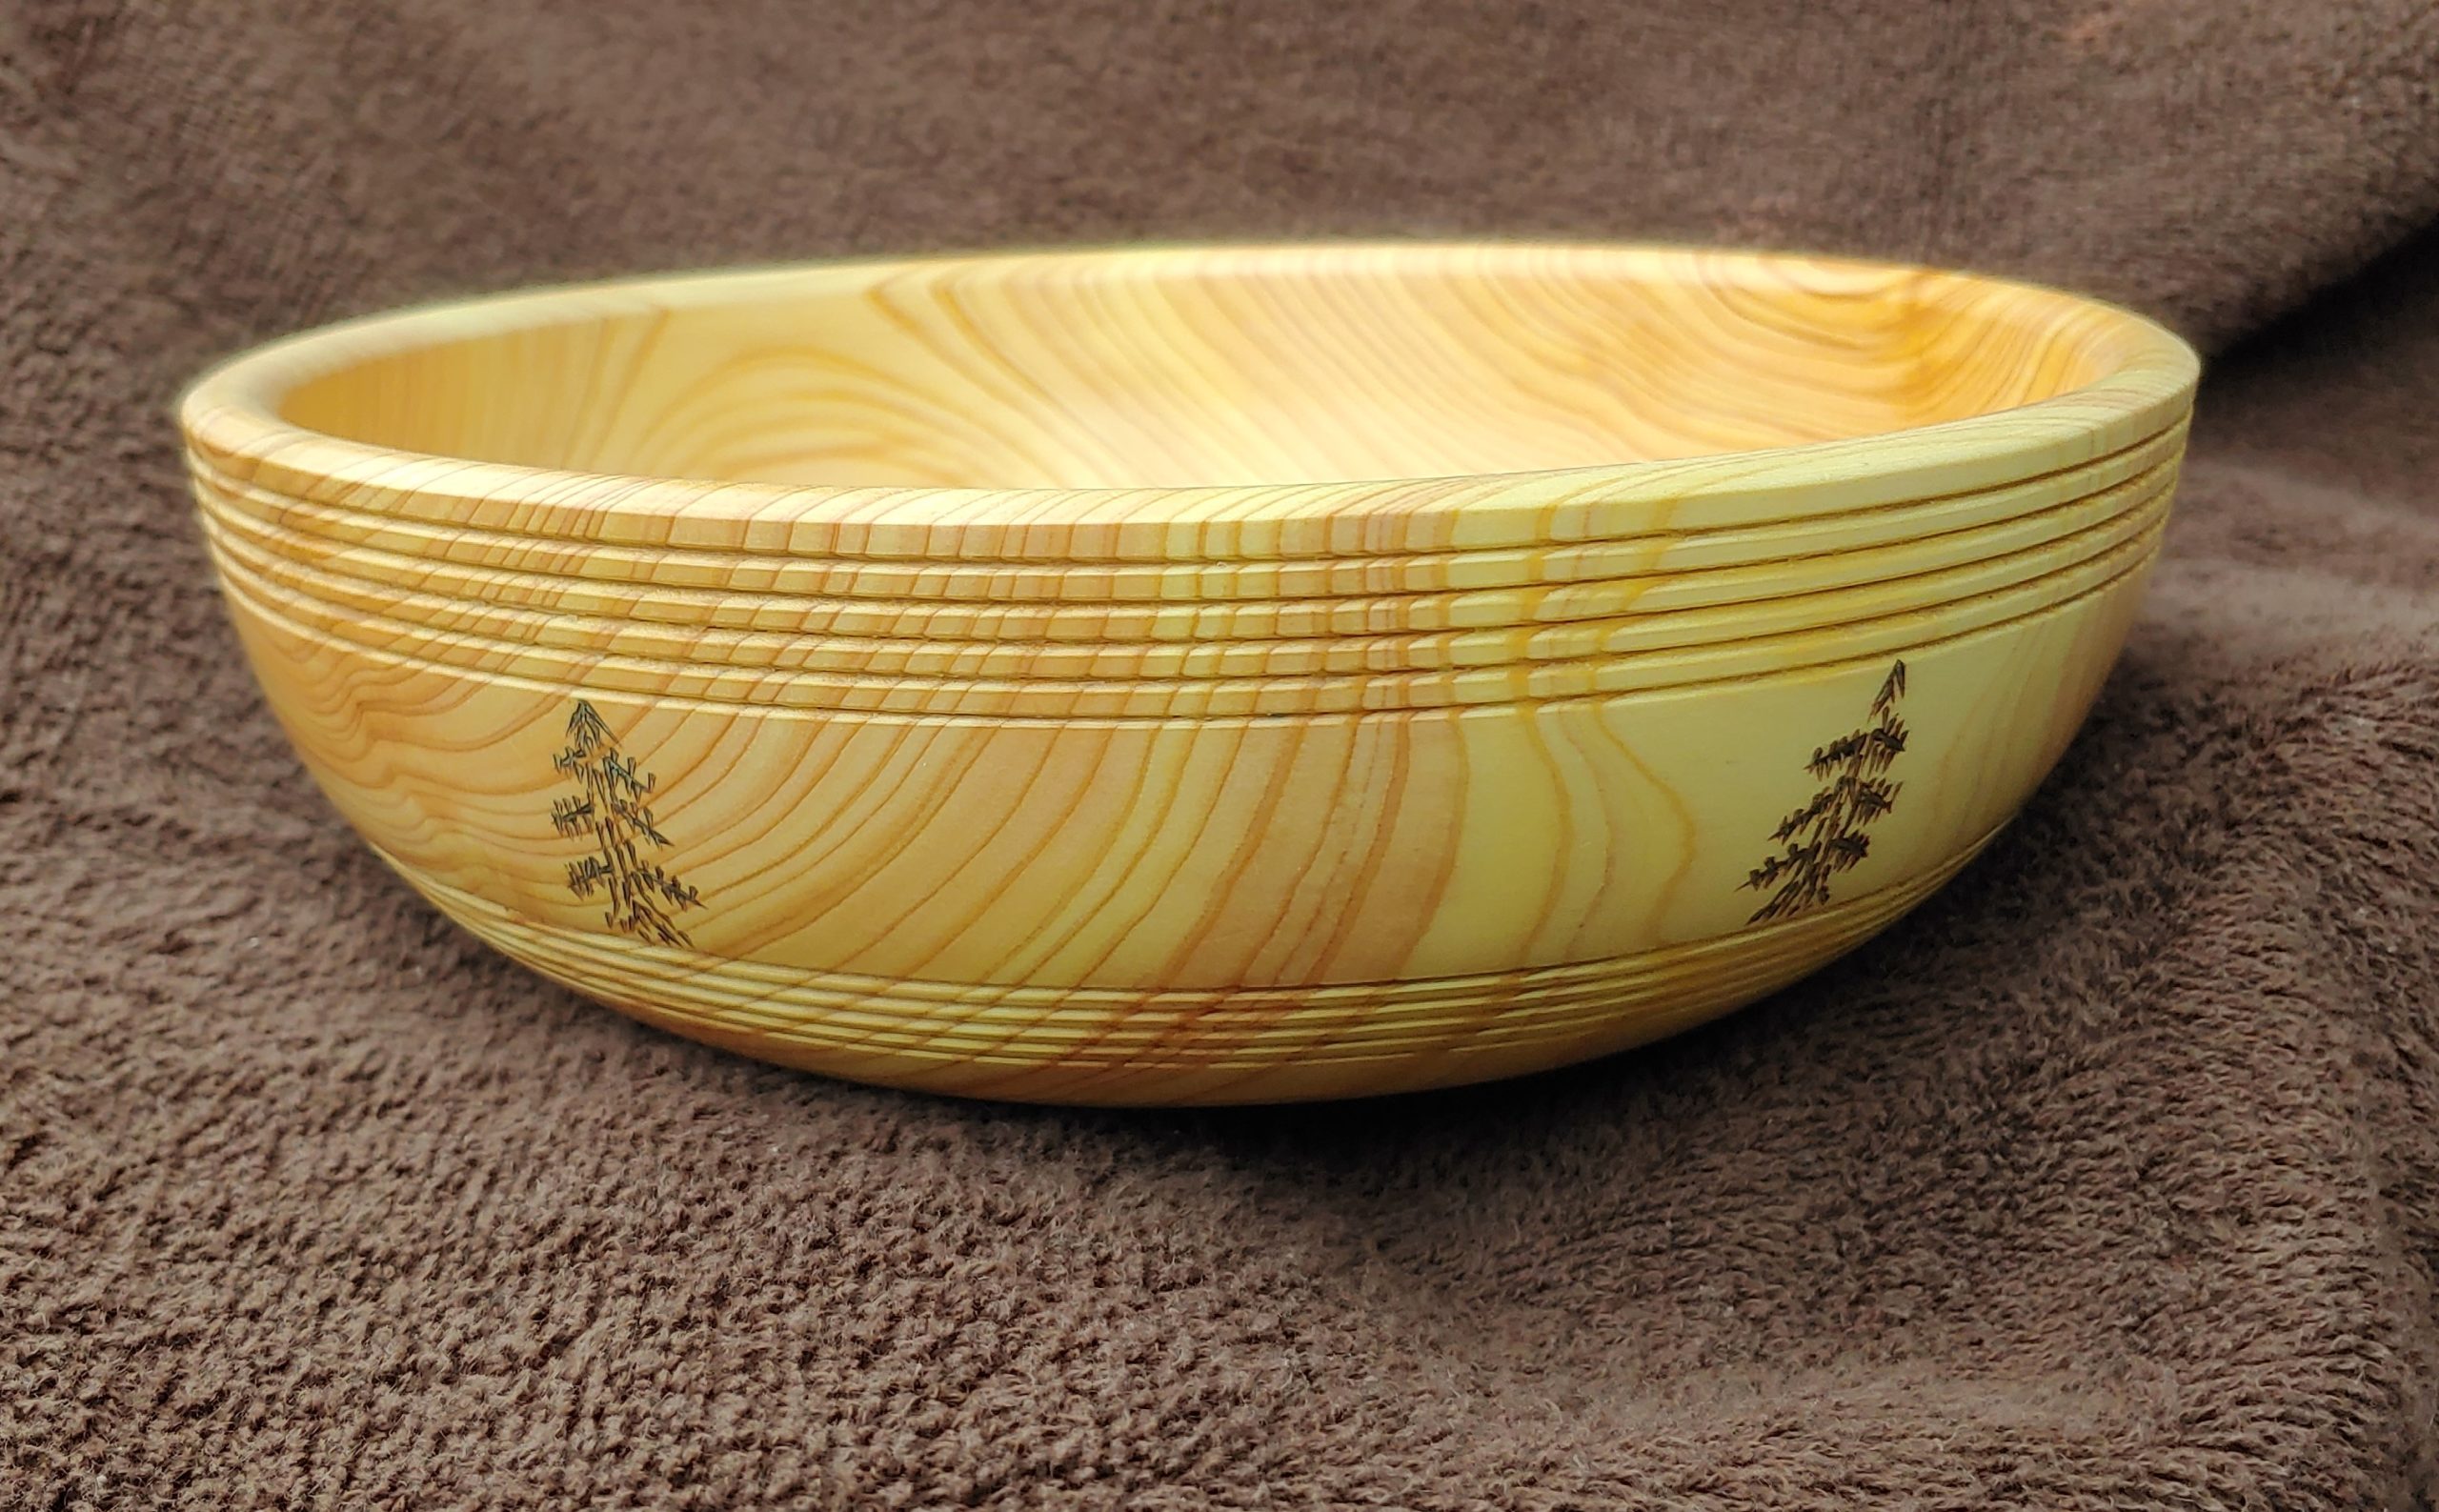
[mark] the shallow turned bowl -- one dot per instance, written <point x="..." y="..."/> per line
<point x="1193" y="675"/>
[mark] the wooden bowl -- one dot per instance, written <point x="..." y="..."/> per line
<point x="1193" y="675"/>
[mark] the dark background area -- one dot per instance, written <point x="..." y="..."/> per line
<point x="2108" y="1179"/>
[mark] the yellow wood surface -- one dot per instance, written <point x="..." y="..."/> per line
<point x="1194" y="674"/>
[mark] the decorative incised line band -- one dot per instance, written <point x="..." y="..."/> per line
<point x="346" y="604"/>
<point x="386" y="577"/>
<point x="963" y="1023"/>
<point x="716" y="685"/>
<point x="762" y="562"/>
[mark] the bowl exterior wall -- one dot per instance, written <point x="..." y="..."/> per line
<point x="1191" y="908"/>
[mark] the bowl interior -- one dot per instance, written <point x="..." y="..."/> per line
<point x="1182" y="369"/>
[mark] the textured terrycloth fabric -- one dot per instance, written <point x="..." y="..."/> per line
<point x="2108" y="1180"/>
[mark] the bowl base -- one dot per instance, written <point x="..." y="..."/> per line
<point x="1138" y="1048"/>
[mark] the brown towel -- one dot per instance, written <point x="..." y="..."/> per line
<point x="2108" y="1180"/>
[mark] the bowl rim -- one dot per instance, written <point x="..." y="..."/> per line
<point x="229" y="417"/>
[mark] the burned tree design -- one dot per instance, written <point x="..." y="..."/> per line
<point x="614" y="810"/>
<point x="1826" y="835"/>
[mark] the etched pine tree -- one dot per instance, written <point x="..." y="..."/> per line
<point x="614" y="811"/>
<point x="1827" y="835"/>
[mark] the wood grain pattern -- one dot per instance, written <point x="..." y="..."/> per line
<point x="1198" y="674"/>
